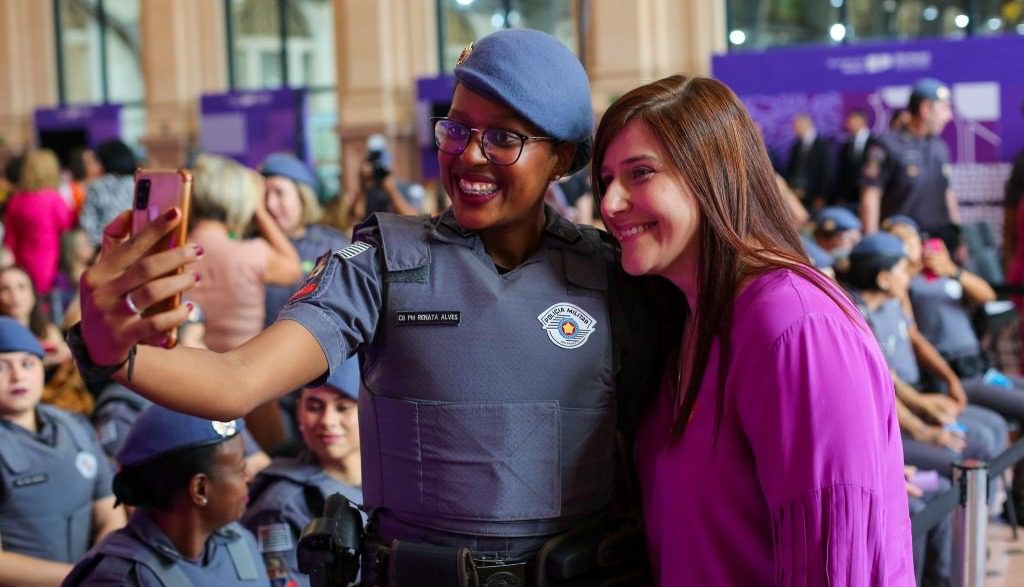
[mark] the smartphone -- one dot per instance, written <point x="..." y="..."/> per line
<point x="156" y="192"/>
<point x="932" y="245"/>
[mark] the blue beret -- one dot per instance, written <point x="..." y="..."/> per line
<point x="819" y="256"/>
<point x="286" y="165"/>
<point x="879" y="244"/>
<point x="898" y="219"/>
<point x="158" y="431"/>
<point x="837" y="219"/>
<point x="539" y="78"/>
<point x="15" y="338"/>
<point x="346" y="378"/>
<point x="929" y="89"/>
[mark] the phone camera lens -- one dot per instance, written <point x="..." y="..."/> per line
<point x="142" y="194"/>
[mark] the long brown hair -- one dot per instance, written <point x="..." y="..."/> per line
<point x="746" y="229"/>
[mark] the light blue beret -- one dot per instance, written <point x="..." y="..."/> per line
<point x="539" y="78"/>
<point x="837" y="219"/>
<point x="819" y="256"/>
<point x="15" y="338"/>
<point x="286" y="165"/>
<point x="929" y="89"/>
<point x="158" y="431"/>
<point x="878" y="244"/>
<point x="898" y="219"/>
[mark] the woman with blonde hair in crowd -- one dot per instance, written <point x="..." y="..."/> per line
<point x="234" y="271"/>
<point x="35" y="218"/>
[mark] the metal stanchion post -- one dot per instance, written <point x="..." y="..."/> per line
<point x="970" y="519"/>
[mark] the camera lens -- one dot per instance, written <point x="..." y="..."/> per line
<point x="142" y="194"/>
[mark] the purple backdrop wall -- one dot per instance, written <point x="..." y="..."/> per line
<point x="826" y="82"/>
<point x="248" y="126"/>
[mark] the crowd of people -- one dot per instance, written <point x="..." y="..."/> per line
<point x="745" y="380"/>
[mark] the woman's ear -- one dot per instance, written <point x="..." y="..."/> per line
<point x="198" y="489"/>
<point x="884" y="280"/>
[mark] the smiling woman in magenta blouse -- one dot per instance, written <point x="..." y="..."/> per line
<point x="771" y="454"/>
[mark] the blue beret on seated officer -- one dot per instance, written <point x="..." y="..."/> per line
<point x="15" y="338"/>
<point x="288" y="165"/>
<point x="880" y="244"/>
<point x="898" y="220"/>
<point x="837" y="219"/>
<point x="159" y="431"/>
<point x="530" y="83"/>
<point x="819" y="256"/>
<point x="186" y="476"/>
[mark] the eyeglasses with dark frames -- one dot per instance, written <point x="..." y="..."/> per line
<point x="500" y="145"/>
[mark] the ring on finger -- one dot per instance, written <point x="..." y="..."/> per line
<point x="131" y="303"/>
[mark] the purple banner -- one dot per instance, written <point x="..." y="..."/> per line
<point x="100" y="123"/>
<point x="248" y="126"/>
<point x="433" y="97"/>
<point x="827" y="82"/>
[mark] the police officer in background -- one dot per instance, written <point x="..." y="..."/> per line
<point x="500" y="343"/>
<point x="908" y="171"/>
<point x="186" y="477"/>
<point x="55" y="493"/>
<point x="293" y="490"/>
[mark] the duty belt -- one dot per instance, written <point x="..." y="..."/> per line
<point x="408" y="563"/>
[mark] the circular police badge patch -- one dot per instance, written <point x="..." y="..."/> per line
<point x="225" y="429"/>
<point x="953" y="289"/>
<point x="85" y="462"/>
<point x="567" y="325"/>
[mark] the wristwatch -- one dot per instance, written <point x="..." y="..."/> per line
<point x="93" y="374"/>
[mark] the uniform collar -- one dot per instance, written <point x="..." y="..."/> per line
<point x="558" y="232"/>
<point x="147" y="532"/>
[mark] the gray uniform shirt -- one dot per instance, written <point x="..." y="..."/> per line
<point x="892" y="329"/>
<point x="942" y="316"/>
<point x="913" y="174"/>
<point x="49" y="481"/>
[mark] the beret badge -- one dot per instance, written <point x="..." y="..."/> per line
<point x="464" y="55"/>
<point x="225" y="429"/>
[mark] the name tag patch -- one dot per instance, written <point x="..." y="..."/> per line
<point x="429" y="318"/>
<point x="31" y="480"/>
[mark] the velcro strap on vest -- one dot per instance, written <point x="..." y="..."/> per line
<point x="245" y="567"/>
<point x="412" y="563"/>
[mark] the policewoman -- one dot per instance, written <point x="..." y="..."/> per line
<point x="495" y="339"/>
<point x="55" y="495"/>
<point x="292" y="490"/>
<point x="186" y="477"/>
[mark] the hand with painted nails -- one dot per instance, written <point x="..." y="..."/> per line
<point x="126" y="280"/>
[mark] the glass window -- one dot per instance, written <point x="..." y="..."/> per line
<point x="82" y="45"/>
<point x="908" y="19"/>
<point x="124" y="61"/>
<point x="464" y="21"/>
<point x="996" y="17"/>
<point x="80" y="51"/>
<point x="310" y="45"/>
<point x="256" y="50"/>
<point x="755" y="24"/>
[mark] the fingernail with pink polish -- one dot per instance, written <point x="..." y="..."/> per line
<point x="171" y="214"/>
<point x="198" y="249"/>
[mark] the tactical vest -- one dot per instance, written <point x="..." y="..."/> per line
<point x="890" y="326"/>
<point x="284" y="479"/>
<point x="488" y="405"/>
<point x="127" y="549"/>
<point x="46" y="511"/>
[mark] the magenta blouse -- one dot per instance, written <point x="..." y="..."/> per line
<point x="33" y="223"/>
<point x="805" y="483"/>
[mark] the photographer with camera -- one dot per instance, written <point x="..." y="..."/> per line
<point x="378" y="189"/>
